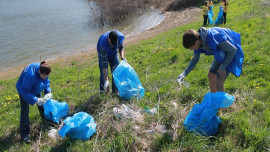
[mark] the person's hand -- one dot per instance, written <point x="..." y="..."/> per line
<point x="40" y="102"/>
<point x="123" y="58"/>
<point x="222" y="74"/>
<point x="106" y="86"/>
<point x="180" y="79"/>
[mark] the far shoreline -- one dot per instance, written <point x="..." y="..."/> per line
<point x="172" y="20"/>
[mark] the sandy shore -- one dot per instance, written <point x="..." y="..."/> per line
<point x="173" y="19"/>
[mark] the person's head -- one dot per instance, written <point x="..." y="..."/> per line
<point x="191" y="39"/>
<point x="113" y="38"/>
<point x="44" y="70"/>
<point x="205" y="3"/>
<point x="224" y="1"/>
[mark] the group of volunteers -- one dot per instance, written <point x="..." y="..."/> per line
<point x="223" y="44"/>
<point x="207" y="7"/>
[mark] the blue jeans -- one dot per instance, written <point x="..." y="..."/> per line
<point x="24" y="119"/>
<point x="113" y="61"/>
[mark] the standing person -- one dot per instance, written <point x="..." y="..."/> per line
<point x="225" y="10"/>
<point x="205" y="13"/>
<point x="107" y="46"/>
<point x="224" y="45"/>
<point x="32" y="81"/>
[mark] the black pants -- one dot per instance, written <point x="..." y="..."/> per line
<point x="205" y="18"/>
<point x="224" y="18"/>
<point x="24" y="119"/>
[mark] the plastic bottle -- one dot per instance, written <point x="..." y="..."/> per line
<point x="185" y="83"/>
<point x="123" y="111"/>
<point x="150" y="111"/>
<point x="47" y="97"/>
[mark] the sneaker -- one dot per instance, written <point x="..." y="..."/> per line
<point x="26" y="140"/>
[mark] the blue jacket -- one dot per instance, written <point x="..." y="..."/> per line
<point x="213" y="38"/>
<point x="31" y="84"/>
<point x="103" y="43"/>
<point x="217" y="35"/>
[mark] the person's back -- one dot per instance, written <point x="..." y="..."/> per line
<point x="103" y="43"/>
<point x="30" y="82"/>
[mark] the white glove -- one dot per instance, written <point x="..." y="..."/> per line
<point x="181" y="78"/>
<point x="40" y="102"/>
<point x="181" y="81"/>
<point x="106" y="85"/>
<point x="48" y="96"/>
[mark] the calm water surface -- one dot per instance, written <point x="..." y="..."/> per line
<point x="31" y="30"/>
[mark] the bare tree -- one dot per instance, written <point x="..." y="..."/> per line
<point x="108" y="12"/>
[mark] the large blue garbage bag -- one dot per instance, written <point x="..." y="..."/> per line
<point x="202" y="118"/>
<point x="80" y="126"/>
<point x="55" y="110"/>
<point x="210" y="15"/>
<point x="219" y="18"/>
<point x="127" y="81"/>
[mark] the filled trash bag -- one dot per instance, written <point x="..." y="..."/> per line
<point x="202" y="118"/>
<point x="55" y="110"/>
<point x="219" y="18"/>
<point x="80" y="126"/>
<point x="210" y="15"/>
<point x="127" y="81"/>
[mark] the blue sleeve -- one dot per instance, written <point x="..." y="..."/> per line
<point x="230" y="53"/>
<point x="192" y="63"/>
<point x="26" y="86"/>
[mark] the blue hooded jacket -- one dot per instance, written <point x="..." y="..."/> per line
<point x="103" y="43"/>
<point x="31" y="84"/>
<point x="217" y="35"/>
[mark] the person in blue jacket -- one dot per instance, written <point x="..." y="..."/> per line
<point x="32" y="81"/>
<point x="224" y="44"/>
<point x="107" y="47"/>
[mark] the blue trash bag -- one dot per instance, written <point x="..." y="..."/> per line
<point x="55" y="110"/>
<point x="127" y="81"/>
<point x="202" y="118"/>
<point x="219" y="18"/>
<point x="80" y="126"/>
<point x="210" y="15"/>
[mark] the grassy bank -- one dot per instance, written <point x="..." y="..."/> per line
<point x="158" y="62"/>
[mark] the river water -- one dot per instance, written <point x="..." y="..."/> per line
<point x="34" y="30"/>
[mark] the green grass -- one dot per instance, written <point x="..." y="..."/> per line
<point x="158" y="62"/>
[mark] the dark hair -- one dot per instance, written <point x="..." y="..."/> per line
<point x="44" y="68"/>
<point x="189" y="38"/>
<point x="113" y="37"/>
<point x="205" y="3"/>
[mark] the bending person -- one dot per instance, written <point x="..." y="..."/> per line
<point x="107" y="47"/>
<point x="32" y="81"/>
<point x="224" y="45"/>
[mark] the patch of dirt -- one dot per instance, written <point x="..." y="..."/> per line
<point x="172" y="20"/>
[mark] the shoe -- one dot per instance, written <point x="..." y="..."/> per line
<point x="26" y="140"/>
